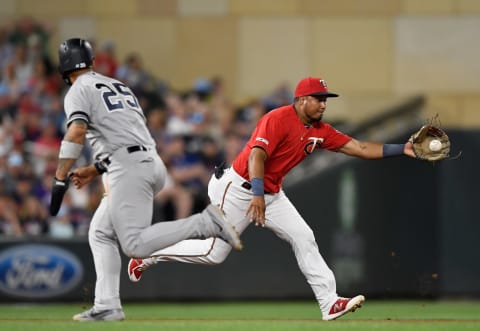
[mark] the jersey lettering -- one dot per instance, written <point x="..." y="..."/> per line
<point x="116" y="97"/>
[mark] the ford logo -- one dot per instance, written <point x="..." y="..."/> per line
<point x="38" y="271"/>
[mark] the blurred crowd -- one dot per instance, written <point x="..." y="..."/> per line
<point x="194" y="129"/>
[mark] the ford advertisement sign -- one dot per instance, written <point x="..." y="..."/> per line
<point x="38" y="271"/>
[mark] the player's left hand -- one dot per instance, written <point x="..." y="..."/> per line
<point x="422" y="143"/>
<point x="83" y="175"/>
<point x="256" y="210"/>
<point x="408" y="149"/>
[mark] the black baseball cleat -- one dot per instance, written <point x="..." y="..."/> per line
<point x="225" y="231"/>
<point x="93" y="315"/>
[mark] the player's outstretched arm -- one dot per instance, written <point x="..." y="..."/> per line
<point x="361" y="149"/>
<point x="373" y="150"/>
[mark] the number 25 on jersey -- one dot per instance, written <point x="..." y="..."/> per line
<point x="117" y="95"/>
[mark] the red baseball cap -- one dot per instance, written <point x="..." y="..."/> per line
<point x="313" y="86"/>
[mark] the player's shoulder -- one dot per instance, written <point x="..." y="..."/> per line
<point x="84" y="84"/>
<point x="324" y="126"/>
<point x="91" y="78"/>
<point x="281" y="113"/>
<point x="279" y="119"/>
<point x="327" y="128"/>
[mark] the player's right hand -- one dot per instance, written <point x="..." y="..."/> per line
<point x="256" y="211"/>
<point x="83" y="175"/>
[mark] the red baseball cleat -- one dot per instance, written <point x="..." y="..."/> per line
<point x="135" y="269"/>
<point x="343" y="306"/>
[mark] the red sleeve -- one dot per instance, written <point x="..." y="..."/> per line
<point x="334" y="139"/>
<point x="267" y="134"/>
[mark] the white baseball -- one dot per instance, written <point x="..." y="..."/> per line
<point x="435" y="145"/>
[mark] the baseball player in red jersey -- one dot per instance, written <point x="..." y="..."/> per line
<point x="250" y="191"/>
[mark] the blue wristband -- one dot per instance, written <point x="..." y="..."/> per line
<point x="393" y="150"/>
<point x="257" y="186"/>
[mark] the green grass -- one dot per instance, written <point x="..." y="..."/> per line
<point x="250" y="316"/>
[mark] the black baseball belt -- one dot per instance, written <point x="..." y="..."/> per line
<point x="220" y="171"/>
<point x="130" y="150"/>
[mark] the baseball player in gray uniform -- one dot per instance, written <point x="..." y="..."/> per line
<point x="105" y="112"/>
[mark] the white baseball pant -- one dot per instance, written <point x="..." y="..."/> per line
<point x="281" y="217"/>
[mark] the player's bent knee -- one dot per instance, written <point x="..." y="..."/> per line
<point x="98" y="236"/>
<point x="218" y="257"/>
<point x="135" y="253"/>
<point x="133" y="250"/>
<point x="305" y="239"/>
<point x="218" y="253"/>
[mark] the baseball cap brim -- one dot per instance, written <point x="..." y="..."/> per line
<point x="325" y="94"/>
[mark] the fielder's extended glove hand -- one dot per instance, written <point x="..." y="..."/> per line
<point x="59" y="187"/>
<point x="425" y="149"/>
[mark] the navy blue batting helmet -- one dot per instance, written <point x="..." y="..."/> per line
<point x="74" y="54"/>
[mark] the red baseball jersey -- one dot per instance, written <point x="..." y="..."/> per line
<point x="287" y="141"/>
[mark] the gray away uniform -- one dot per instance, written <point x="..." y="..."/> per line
<point x="117" y="132"/>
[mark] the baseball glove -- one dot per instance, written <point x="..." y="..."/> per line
<point x="430" y="143"/>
